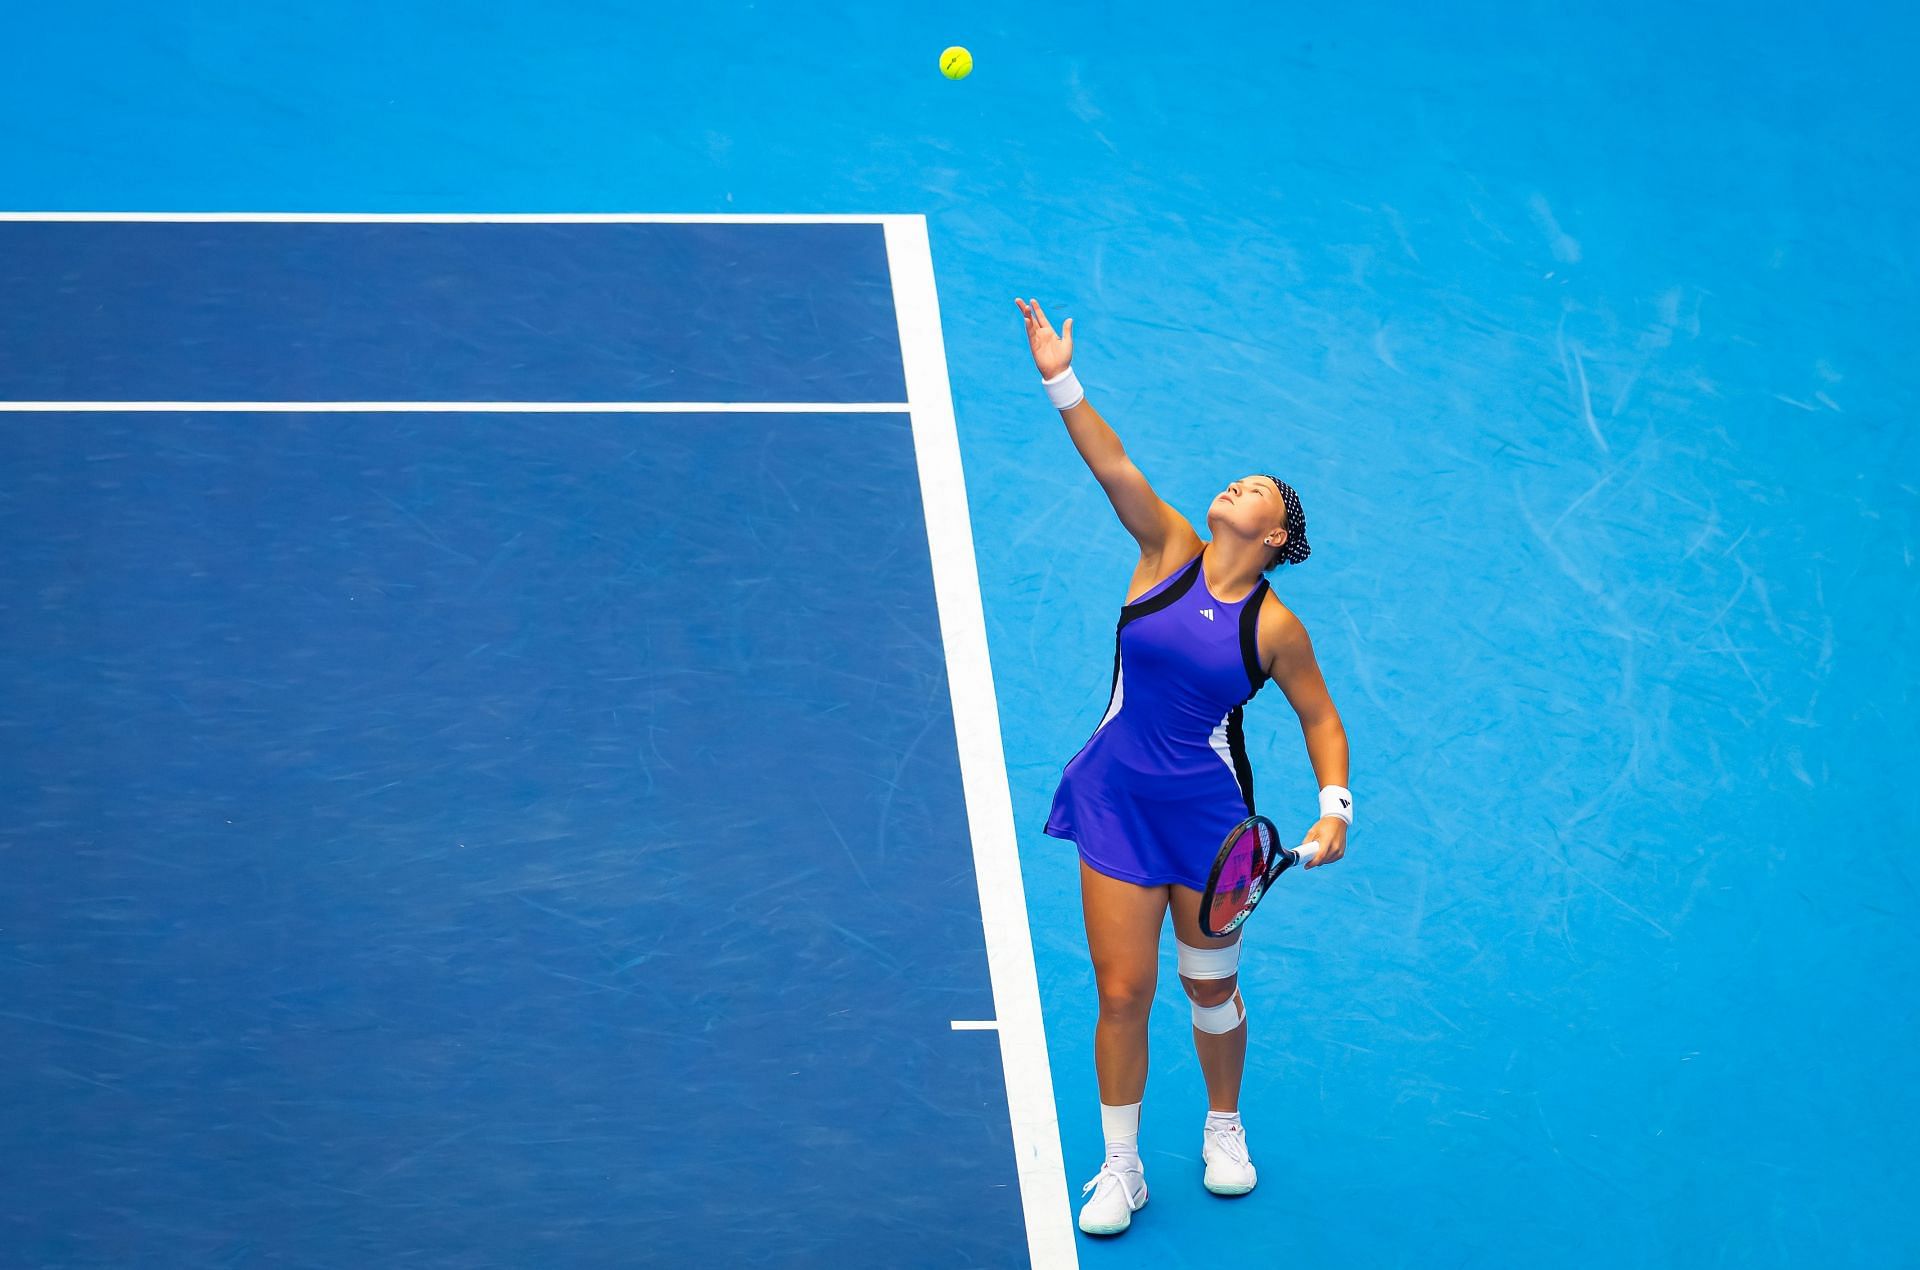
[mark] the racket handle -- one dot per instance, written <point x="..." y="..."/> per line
<point x="1308" y="851"/>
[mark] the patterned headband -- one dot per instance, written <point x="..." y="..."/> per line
<point x="1296" y="548"/>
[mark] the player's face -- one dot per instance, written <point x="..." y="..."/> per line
<point x="1251" y="505"/>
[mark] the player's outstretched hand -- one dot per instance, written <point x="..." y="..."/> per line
<point x="1052" y="352"/>
<point x="1331" y="833"/>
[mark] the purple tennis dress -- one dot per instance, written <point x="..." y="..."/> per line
<point x="1164" y="777"/>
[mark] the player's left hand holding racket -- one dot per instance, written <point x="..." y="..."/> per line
<point x="1249" y="862"/>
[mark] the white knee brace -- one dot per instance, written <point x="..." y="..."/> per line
<point x="1219" y="1019"/>
<point x="1208" y="963"/>
<point x="1213" y="963"/>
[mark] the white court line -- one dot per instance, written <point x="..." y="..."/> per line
<point x="983" y="769"/>
<point x="464" y="407"/>
<point x="460" y="218"/>
<point x="974" y="1025"/>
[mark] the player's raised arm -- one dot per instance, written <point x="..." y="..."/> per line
<point x="1153" y="524"/>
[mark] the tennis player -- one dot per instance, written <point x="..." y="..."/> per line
<point x="1164" y="778"/>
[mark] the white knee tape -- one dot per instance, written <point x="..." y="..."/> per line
<point x="1208" y="963"/>
<point x="1219" y="1019"/>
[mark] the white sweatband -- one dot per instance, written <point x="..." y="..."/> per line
<point x="1337" y="801"/>
<point x="1208" y="963"/>
<point x="1064" y="390"/>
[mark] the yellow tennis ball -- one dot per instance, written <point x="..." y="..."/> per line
<point x="956" y="63"/>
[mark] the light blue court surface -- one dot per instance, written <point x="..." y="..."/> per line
<point x="1584" y="332"/>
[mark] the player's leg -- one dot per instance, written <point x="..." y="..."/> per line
<point x="1209" y="971"/>
<point x="1123" y="923"/>
<point x="1123" y="935"/>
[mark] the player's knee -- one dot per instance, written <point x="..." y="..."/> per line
<point x="1210" y="976"/>
<point x="1125" y="997"/>
<point x="1210" y="992"/>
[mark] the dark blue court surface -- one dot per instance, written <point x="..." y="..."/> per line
<point x="140" y="311"/>
<point x="482" y="838"/>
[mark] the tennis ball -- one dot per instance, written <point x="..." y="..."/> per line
<point x="956" y="63"/>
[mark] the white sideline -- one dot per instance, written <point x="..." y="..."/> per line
<point x="983" y="769"/>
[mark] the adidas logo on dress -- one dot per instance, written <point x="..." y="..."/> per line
<point x="1207" y="613"/>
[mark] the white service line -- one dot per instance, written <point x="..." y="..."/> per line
<point x="983" y="769"/>
<point x="974" y="1025"/>
<point x="461" y="407"/>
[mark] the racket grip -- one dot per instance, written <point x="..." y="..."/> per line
<point x="1308" y="851"/>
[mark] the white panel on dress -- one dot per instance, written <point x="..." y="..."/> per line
<point x="1119" y="692"/>
<point x="1219" y="743"/>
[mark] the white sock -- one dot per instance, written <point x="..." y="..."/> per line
<point x="1224" y="1119"/>
<point x="1121" y="1126"/>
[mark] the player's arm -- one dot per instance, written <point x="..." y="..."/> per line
<point x="1154" y="524"/>
<point x="1290" y="663"/>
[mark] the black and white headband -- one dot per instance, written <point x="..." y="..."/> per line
<point x="1296" y="549"/>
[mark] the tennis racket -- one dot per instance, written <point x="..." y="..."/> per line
<point x="1249" y="861"/>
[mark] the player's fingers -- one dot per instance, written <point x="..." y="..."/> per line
<point x="1043" y="314"/>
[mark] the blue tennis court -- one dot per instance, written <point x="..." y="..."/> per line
<point x="418" y="811"/>
<point x="543" y="607"/>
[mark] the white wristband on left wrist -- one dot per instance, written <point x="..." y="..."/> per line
<point x="1337" y="801"/>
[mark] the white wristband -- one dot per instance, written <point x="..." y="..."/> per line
<point x="1337" y="801"/>
<point x="1063" y="390"/>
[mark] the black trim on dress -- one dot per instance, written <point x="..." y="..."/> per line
<point x="1256" y="679"/>
<point x="1242" y="766"/>
<point x="1182" y="583"/>
<point x="1250" y="639"/>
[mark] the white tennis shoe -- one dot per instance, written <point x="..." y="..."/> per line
<point x="1229" y="1170"/>
<point x="1118" y="1193"/>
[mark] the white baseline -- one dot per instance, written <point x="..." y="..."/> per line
<point x="462" y="407"/>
